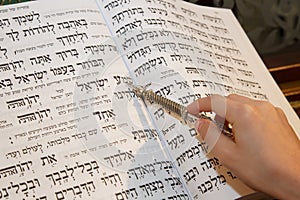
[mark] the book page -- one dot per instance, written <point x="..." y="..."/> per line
<point x="61" y="135"/>
<point x="186" y="52"/>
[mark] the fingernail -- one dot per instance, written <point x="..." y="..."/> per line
<point x="198" y="125"/>
<point x="193" y="107"/>
<point x="192" y="104"/>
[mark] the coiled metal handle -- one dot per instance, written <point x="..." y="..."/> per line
<point x="178" y="111"/>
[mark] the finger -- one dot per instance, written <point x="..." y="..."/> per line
<point x="218" y="144"/>
<point x="225" y="108"/>
<point x="283" y="118"/>
<point x="245" y="100"/>
<point x="281" y="113"/>
<point x="240" y="98"/>
<point x="202" y="104"/>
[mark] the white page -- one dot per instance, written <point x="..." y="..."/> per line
<point x="69" y="127"/>
<point x="65" y="114"/>
<point x="187" y="52"/>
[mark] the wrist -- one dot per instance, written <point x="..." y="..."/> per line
<point x="286" y="182"/>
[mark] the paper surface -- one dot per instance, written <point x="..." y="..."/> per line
<point x="70" y="126"/>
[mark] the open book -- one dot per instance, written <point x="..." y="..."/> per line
<point x="70" y="126"/>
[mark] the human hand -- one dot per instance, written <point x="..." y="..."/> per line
<point x="265" y="153"/>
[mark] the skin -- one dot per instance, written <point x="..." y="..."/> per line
<point x="265" y="152"/>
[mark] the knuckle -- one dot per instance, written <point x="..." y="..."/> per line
<point x="281" y="113"/>
<point x="232" y="96"/>
<point x="266" y="106"/>
<point x="247" y="111"/>
<point x="279" y="110"/>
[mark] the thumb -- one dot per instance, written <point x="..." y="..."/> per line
<point x="218" y="144"/>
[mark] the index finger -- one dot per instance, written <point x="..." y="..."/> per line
<point x="222" y="106"/>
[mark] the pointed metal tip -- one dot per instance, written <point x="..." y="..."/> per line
<point x="138" y="90"/>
